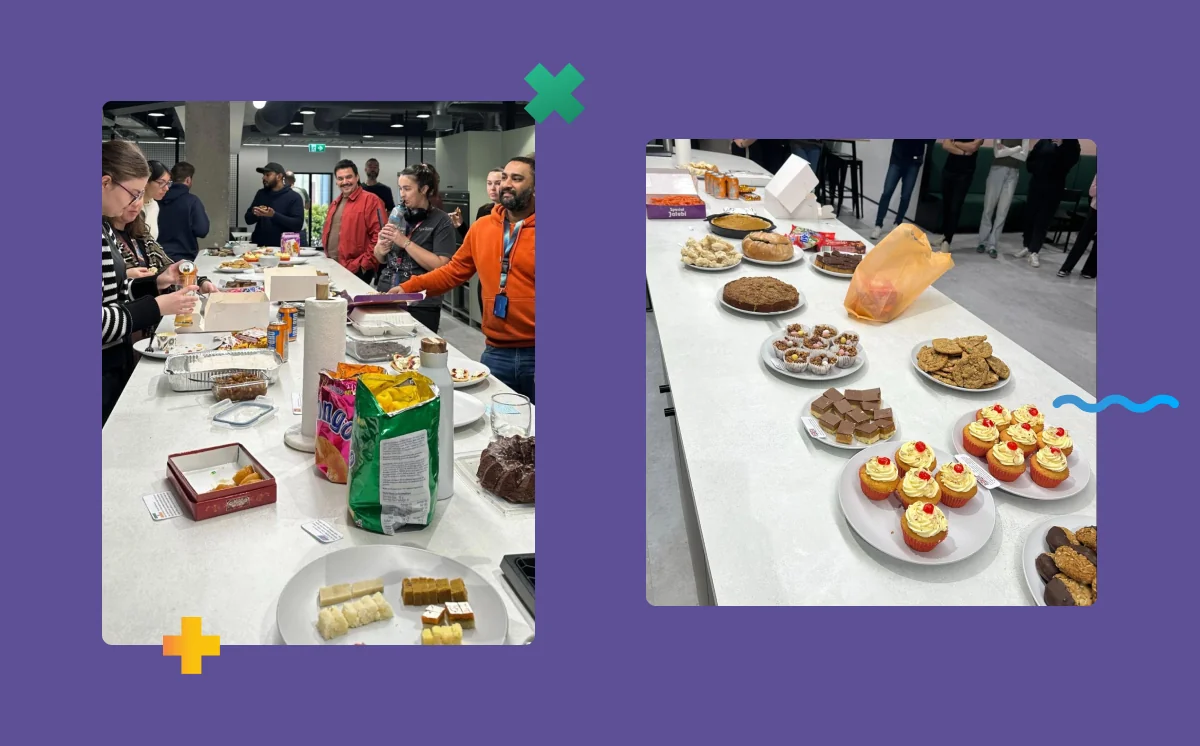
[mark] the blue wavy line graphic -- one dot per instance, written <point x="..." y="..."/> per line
<point x="1108" y="401"/>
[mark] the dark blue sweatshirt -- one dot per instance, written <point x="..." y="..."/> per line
<point x="181" y="222"/>
<point x="289" y="215"/>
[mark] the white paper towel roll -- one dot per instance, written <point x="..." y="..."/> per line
<point x="324" y="335"/>
<point x="683" y="153"/>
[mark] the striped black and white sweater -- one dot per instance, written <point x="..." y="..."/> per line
<point x="126" y="305"/>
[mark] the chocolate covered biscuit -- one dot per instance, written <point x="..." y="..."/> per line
<point x="1046" y="568"/>
<point x="1059" y="536"/>
<point x="1062" y="591"/>
<point x="1075" y="561"/>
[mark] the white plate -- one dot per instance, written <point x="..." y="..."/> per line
<point x="797" y="257"/>
<point x="467" y="409"/>
<point x="830" y="440"/>
<point x="838" y="275"/>
<point x="232" y="271"/>
<point x="296" y="612"/>
<point x="141" y="346"/>
<point x="878" y="523"/>
<point x="710" y="269"/>
<point x="293" y="262"/>
<point x="929" y="343"/>
<point x="311" y="252"/>
<point x="721" y="300"/>
<point x="767" y="352"/>
<point x="1035" y="544"/>
<point x="473" y="367"/>
<point x="1081" y="470"/>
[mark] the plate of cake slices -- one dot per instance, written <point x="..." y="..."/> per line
<point x="837" y="264"/>
<point x="927" y="531"/>
<point x="852" y="419"/>
<point x="1042" y="561"/>
<point x="385" y="594"/>
<point x="813" y="353"/>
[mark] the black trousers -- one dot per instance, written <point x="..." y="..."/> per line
<point x="116" y="365"/>
<point x="1043" y="202"/>
<point x="1086" y="235"/>
<point x="428" y="316"/>
<point x="954" y="190"/>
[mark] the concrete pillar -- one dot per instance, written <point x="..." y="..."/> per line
<point x="207" y="139"/>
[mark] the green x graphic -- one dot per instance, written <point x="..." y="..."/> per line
<point x="554" y="93"/>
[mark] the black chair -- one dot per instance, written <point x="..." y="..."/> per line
<point x="835" y="169"/>
<point x="1067" y="221"/>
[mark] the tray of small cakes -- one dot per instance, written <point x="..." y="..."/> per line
<point x="852" y="419"/>
<point x="1025" y="455"/>
<point x="814" y="353"/>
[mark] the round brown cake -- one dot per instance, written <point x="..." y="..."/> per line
<point x="506" y="469"/>
<point x="761" y="295"/>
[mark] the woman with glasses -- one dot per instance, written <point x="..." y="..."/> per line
<point x="160" y="182"/>
<point x="129" y="301"/>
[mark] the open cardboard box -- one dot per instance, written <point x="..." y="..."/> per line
<point x="671" y="182"/>
<point x="290" y="283"/>
<point x="194" y="473"/>
<point x="231" y="312"/>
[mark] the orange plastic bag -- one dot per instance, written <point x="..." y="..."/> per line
<point x="893" y="274"/>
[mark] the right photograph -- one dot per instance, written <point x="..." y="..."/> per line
<point x="863" y="359"/>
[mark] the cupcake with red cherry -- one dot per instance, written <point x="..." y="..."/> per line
<point x="979" y="436"/>
<point x="915" y="455"/>
<point x="878" y="477"/>
<point x="997" y="414"/>
<point x="919" y="485"/>
<point x="957" y="483"/>
<point x="924" y="526"/>
<point x="1030" y="414"/>
<point x="1006" y="461"/>
<point x="1056" y="437"/>
<point x="1049" y="467"/>
<point x="1023" y="435"/>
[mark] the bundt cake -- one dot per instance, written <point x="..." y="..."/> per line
<point x="506" y="469"/>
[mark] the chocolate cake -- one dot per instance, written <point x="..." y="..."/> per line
<point x="506" y="469"/>
<point x="761" y="295"/>
<point x="836" y="261"/>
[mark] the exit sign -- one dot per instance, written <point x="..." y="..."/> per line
<point x="316" y="147"/>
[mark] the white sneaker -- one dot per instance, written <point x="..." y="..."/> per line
<point x="876" y="233"/>
<point x="945" y="245"/>
<point x="1034" y="261"/>
<point x="1022" y="253"/>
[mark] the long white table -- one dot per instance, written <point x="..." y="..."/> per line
<point x="230" y="570"/>
<point x="760" y="496"/>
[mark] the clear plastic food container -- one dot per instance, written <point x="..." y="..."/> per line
<point x="370" y="349"/>
<point x="239" y="386"/>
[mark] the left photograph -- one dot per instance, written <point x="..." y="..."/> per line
<point x="318" y="351"/>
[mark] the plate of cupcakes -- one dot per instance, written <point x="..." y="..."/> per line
<point x="1027" y="456"/>
<point x="1059" y="560"/>
<point x="915" y="503"/>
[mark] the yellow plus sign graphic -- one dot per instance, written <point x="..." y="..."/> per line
<point x="191" y="646"/>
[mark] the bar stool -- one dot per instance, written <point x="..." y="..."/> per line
<point x="835" y="176"/>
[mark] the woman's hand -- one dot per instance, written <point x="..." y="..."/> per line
<point x="395" y="291"/>
<point x="137" y="273"/>
<point x="389" y="233"/>
<point x="207" y="287"/>
<point x="170" y="276"/>
<point x="180" y="302"/>
<point x="381" y="250"/>
<point x="456" y="218"/>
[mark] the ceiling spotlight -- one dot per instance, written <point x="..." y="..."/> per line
<point x="368" y="136"/>
<point x="259" y="104"/>
<point x="307" y="111"/>
<point x="157" y="114"/>
<point x="285" y="134"/>
<point x="422" y="116"/>
<point x="170" y="138"/>
<point x="163" y="127"/>
<point x="298" y="124"/>
<point x="397" y="121"/>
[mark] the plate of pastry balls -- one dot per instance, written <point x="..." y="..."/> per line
<point x="1059" y="560"/>
<point x="915" y="503"/>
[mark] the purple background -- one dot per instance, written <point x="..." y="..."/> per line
<point x="607" y="667"/>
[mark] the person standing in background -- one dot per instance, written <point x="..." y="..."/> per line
<point x="382" y="191"/>
<point x="290" y="180"/>
<point x="182" y="221"/>
<point x="1049" y="163"/>
<point x="956" y="182"/>
<point x="1001" y="184"/>
<point x="903" y="167"/>
<point x="276" y="209"/>
<point x="156" y="189"/>
<point x="352" y="227"/>
<point x="770" y="154"/>
<point x="1086" y="234"/>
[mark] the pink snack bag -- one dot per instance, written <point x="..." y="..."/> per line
<point x="335" y="423"/>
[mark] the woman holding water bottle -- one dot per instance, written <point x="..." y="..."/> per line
<point x="418" y="238"/>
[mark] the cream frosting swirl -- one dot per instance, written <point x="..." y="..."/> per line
<point x="1051" y="437"/>
<point x="1008" y="456"/>
<point x="925" y="524"/>
<point x="1001" y="417"/>
<point x="958" y="481"/>
<point x="1021" y="435"/>
<point x="1051" y="460"/>
<point x="916" y="458"/>
<point x="982" y="431"/>
<point x="914" y="486"/>
<point x="1023" y="414"/>
<point x="881" y="472"/>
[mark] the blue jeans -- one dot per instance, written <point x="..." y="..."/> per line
<point x="810" y="154"/>
<point x="897" y="172"/>
<point x="513" y="366"/>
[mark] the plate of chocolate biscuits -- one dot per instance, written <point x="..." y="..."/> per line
<point x="853" y="420"/>
<point x="1059" y="561"/>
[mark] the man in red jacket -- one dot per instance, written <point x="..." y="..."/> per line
<point x="352" y="224"/>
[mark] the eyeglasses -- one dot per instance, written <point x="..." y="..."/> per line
<point x="163" y="182"/>
<point x="136" y="195"/>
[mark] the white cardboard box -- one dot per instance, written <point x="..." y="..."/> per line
<point x="793" y="184"/>
<point x="290" y="283"/>
<point x="233" y="312"/>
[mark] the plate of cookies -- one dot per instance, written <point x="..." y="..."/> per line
<point x="1059" y="561"/>
<point x="760" y="296"/>
<point x="961" y="363"/>
<point x="915" y="503"/>
<point x="853" y="419"/>
<point x="813" y="353"/>
<point x="1027" y="456"/>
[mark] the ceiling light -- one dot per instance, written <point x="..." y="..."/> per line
<point x="163" y="127"/>
<point x="170" y="138"/>
<point x="259" y="104"/>
<point x="397" y="121"/>
<point x="157" y="114"/>
<point x="307" y="111"/>
<point x="368" y="136"/>
<point x="422" y="116"/>
<point x="298" y="124"/>
<point x="285" y="134"/>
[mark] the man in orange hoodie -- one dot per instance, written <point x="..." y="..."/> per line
<point x="499" y="247"/>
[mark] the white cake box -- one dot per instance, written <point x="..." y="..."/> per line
<point x="789" y="194"/>
<point x="233" y="312"/>
<point x="290" y="283"/>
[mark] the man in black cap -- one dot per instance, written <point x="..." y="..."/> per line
<point x="276" y="208"/>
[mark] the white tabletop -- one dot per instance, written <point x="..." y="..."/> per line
<point x="764" y="494"/>
<point x="230" y="570"/>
